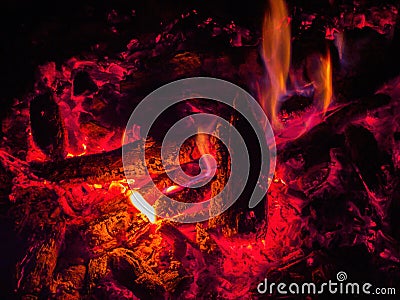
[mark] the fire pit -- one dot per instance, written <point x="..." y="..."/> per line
<point x="80" y="221"/>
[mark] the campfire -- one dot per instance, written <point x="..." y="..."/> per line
<point x="85" y="197"/>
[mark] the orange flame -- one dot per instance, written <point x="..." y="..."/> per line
<point x="276" y="54"/>
<point x="202" y="143"/>
<point x="322" y="80"/>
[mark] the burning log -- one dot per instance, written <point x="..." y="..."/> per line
<point x="108" y="167"/>
<point x="357" y="109"/>
<point x="132" y="272"/>
<point x="104" y="167"/>
<point x="101" y="233"/>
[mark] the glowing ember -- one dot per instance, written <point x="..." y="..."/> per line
<point x="79" y="154"/>
<point x="97" y="186"/>
<point x="117" y="187"/>
<point x="172" y="189"/>
<point x="276" y="55"/>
